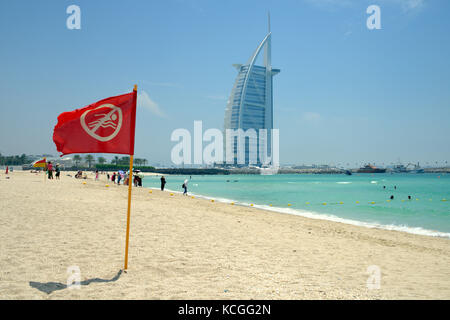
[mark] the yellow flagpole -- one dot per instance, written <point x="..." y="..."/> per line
<point x="43" y="169"/>
<point x="128" y="212"/>
<point x="130" y="182"/>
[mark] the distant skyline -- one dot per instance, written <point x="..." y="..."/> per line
<point x="347" y="94"/>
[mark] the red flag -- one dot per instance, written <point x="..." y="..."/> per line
<point x="106" y="126"/>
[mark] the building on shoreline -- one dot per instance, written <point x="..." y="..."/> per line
<point x="250" y="105"/>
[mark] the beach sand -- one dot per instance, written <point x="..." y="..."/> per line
<point x="184" y="248"/>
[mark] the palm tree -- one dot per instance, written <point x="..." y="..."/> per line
<point x="77" y="159"/>
<point x="124" y="160"/>
<point x="101" y="160"/>
<point x="89" y="159"/>
<point x="138" y="162"/>
<point x="115" y="160"/>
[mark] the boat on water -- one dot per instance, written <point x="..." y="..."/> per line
<point x="268" y="171"/>
<point x="416" y="168"/>
<point x="370" y="169"/>
<point x="399" y="168"/>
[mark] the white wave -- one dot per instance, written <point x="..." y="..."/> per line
<point x="328" y="217"/>
<point x="343" y="182"/>
<point x="321" y="216"/>
<point x="373" y="181"/>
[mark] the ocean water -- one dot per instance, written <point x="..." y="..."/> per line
<point x="359" y="199"/>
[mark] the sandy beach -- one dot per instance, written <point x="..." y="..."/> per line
<point x="184" y="248"/>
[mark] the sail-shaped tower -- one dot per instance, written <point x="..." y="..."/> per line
<point x="250" y="105"/>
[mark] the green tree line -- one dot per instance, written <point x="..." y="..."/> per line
<point x="15" y="160"/>
<point x="101" y="161"/>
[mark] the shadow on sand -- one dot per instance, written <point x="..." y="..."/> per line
<point x="49" y="287"/>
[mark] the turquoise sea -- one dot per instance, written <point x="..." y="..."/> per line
<point x="359" y="199"/>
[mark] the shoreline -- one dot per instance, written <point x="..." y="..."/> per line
<point x="184" y="248"/>
<point x="321" y="216"/>
<point x="328" y="217"/>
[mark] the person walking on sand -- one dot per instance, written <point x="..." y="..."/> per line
<point x="184" y="186"/>
<point x="163" y="183"/>
<point x="96" y="175"/>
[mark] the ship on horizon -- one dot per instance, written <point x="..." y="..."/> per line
<point x="400" y="168"/>
<point x="370" y="169"/>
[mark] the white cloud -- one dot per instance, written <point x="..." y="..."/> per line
<point x="144" y="101"/>
<point x="406" y="5"/>
<point x="311" y="116"/>
<point x="410" y="5"/>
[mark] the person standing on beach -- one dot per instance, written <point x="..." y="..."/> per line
<point x="50" y="170"/>
<point x="163" y="183"/>
<point x="113" y="177"/>
<point x="57" y="171"/>
<point x="185" y="187"/>
<point x="96" y="174"/>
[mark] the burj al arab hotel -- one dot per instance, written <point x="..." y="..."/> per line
<point x="250" y="105"/>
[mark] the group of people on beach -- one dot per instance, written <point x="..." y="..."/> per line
<point x="116" y="177"/>
<point x="50" y="170"/>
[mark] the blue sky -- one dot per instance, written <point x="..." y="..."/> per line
<point x="345" y="94"/>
